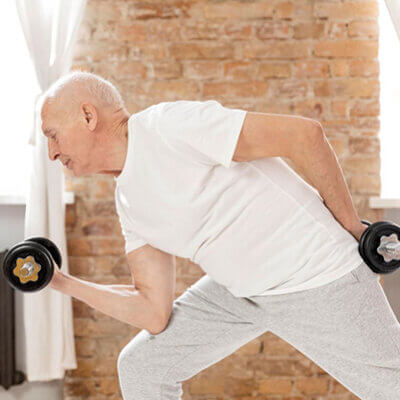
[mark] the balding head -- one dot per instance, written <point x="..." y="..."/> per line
<point x="84" y="117"/>
<point x="68" y="93"/>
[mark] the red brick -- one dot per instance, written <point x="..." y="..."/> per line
<point x="108" y="385"/>
<point x="273" y="70"/>
<point x="107" y="246"/>
<point x="85" y="347"/>
<point x="100" y="208"/>
<point x="362" y="163"/>
<point x="174" y="89"/>
<point x="356" y="87"/>
<point x="337" y="30"/>
<point x="80" y="389"/>
<point x="232" y="9"/>
<point x="323" y="88"/>
<point x="199" y="386"/>
<point x="288" y="50"/>
<point x="339" y="67"/>
<point x="347" y="48"/>
<point x="284" y="10"/>
<point x="366" y="123"/>
<point x="142" y="10"/>
<point x="81" y="309"/>
<point x="238" y="386"/>
<point x="246" y="89"/>
<point x="166" y="69"/>
<point x="289" y="88"/>
<point x="79" y="247"/>
<point x="275" y="386"/>
<point x="363" y="67"/>
<point x="312" y="385"/>
<point x="200" y="29"/>
<point x="347" y="10"/>
<point x="279" y="368"/>
<point x="339" y="108"/>
<point x="312" y="68"/>
<point x="303" y="10"/>
<point x="363" y="28"/>
<point x="240" y="70"/>
<point x="312" y="30"/>
<point x="238" y="30"/>
<point x="201" y="50"/>
<point x="102" y="12"/>
<point x="273" y="30"/>
<point x="136" y="31"/>
<point x="80" y="265"/>
<point x="202" y="69"/>
<point x="365" y="108"/>
<point x="366" y="184"/>
<point x="70" y="216"/>
<point x="364" y="145"/>
<point x="276" y="105"/>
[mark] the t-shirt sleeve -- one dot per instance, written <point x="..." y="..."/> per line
<point x="132" y="239"/>
<point x="206" y="129"/>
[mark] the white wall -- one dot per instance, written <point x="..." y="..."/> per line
<point x="12" y="232"/>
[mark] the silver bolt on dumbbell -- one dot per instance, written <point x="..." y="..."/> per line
<point x="389" y="248"/>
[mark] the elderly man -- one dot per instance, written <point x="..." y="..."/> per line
<point x="198" y="180"/>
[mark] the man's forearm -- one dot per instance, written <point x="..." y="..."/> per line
<point x="321" y="167"/>
<point x="122" y="302"/>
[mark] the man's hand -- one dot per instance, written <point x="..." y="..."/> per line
<point x="56" y="278"/>
<point x="358" y="230"/>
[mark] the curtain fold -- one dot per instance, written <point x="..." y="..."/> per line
<point x="50" y="29"/>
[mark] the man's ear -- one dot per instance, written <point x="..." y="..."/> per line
<point x="89" y="114"/>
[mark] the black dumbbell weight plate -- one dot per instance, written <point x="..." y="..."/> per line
<point x="23" y="251"/>
<point x="370" y="243"/>
<point x="53" y="249"/>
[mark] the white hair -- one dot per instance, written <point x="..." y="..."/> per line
<point x="101" y="90"/>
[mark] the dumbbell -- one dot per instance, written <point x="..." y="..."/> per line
<point x="379" y="246"/>
<point x="28" y="266"/>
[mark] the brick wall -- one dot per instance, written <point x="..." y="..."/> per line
<point x="312" y="58"/>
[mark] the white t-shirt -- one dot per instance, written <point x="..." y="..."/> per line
<point x="255" y="227"/>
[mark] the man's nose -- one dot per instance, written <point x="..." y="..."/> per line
<point x="53" y="153"/>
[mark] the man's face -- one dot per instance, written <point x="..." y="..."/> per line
<point x="68" y="140"/>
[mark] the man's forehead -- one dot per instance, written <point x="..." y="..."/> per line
<point x="45" y="110"/>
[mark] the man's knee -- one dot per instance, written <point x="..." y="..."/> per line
<point x="137" y="354"/>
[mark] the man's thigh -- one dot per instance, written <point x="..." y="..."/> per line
<point x="348" y="328"/>
<point x="207" y="324"/>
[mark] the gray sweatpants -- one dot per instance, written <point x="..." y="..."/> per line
<point x="347" y="327"/>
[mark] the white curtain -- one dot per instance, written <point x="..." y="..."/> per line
<point x="50" y="29"/>
<point x="394" y="11"/>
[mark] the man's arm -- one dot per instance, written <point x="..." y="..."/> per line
<point x="323" y="170"/>
<point x="122" y="302"/>
<point x="303" y="141"/>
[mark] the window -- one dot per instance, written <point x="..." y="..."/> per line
<point x="389" y="60"/>
<point x="19" y="88"/>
